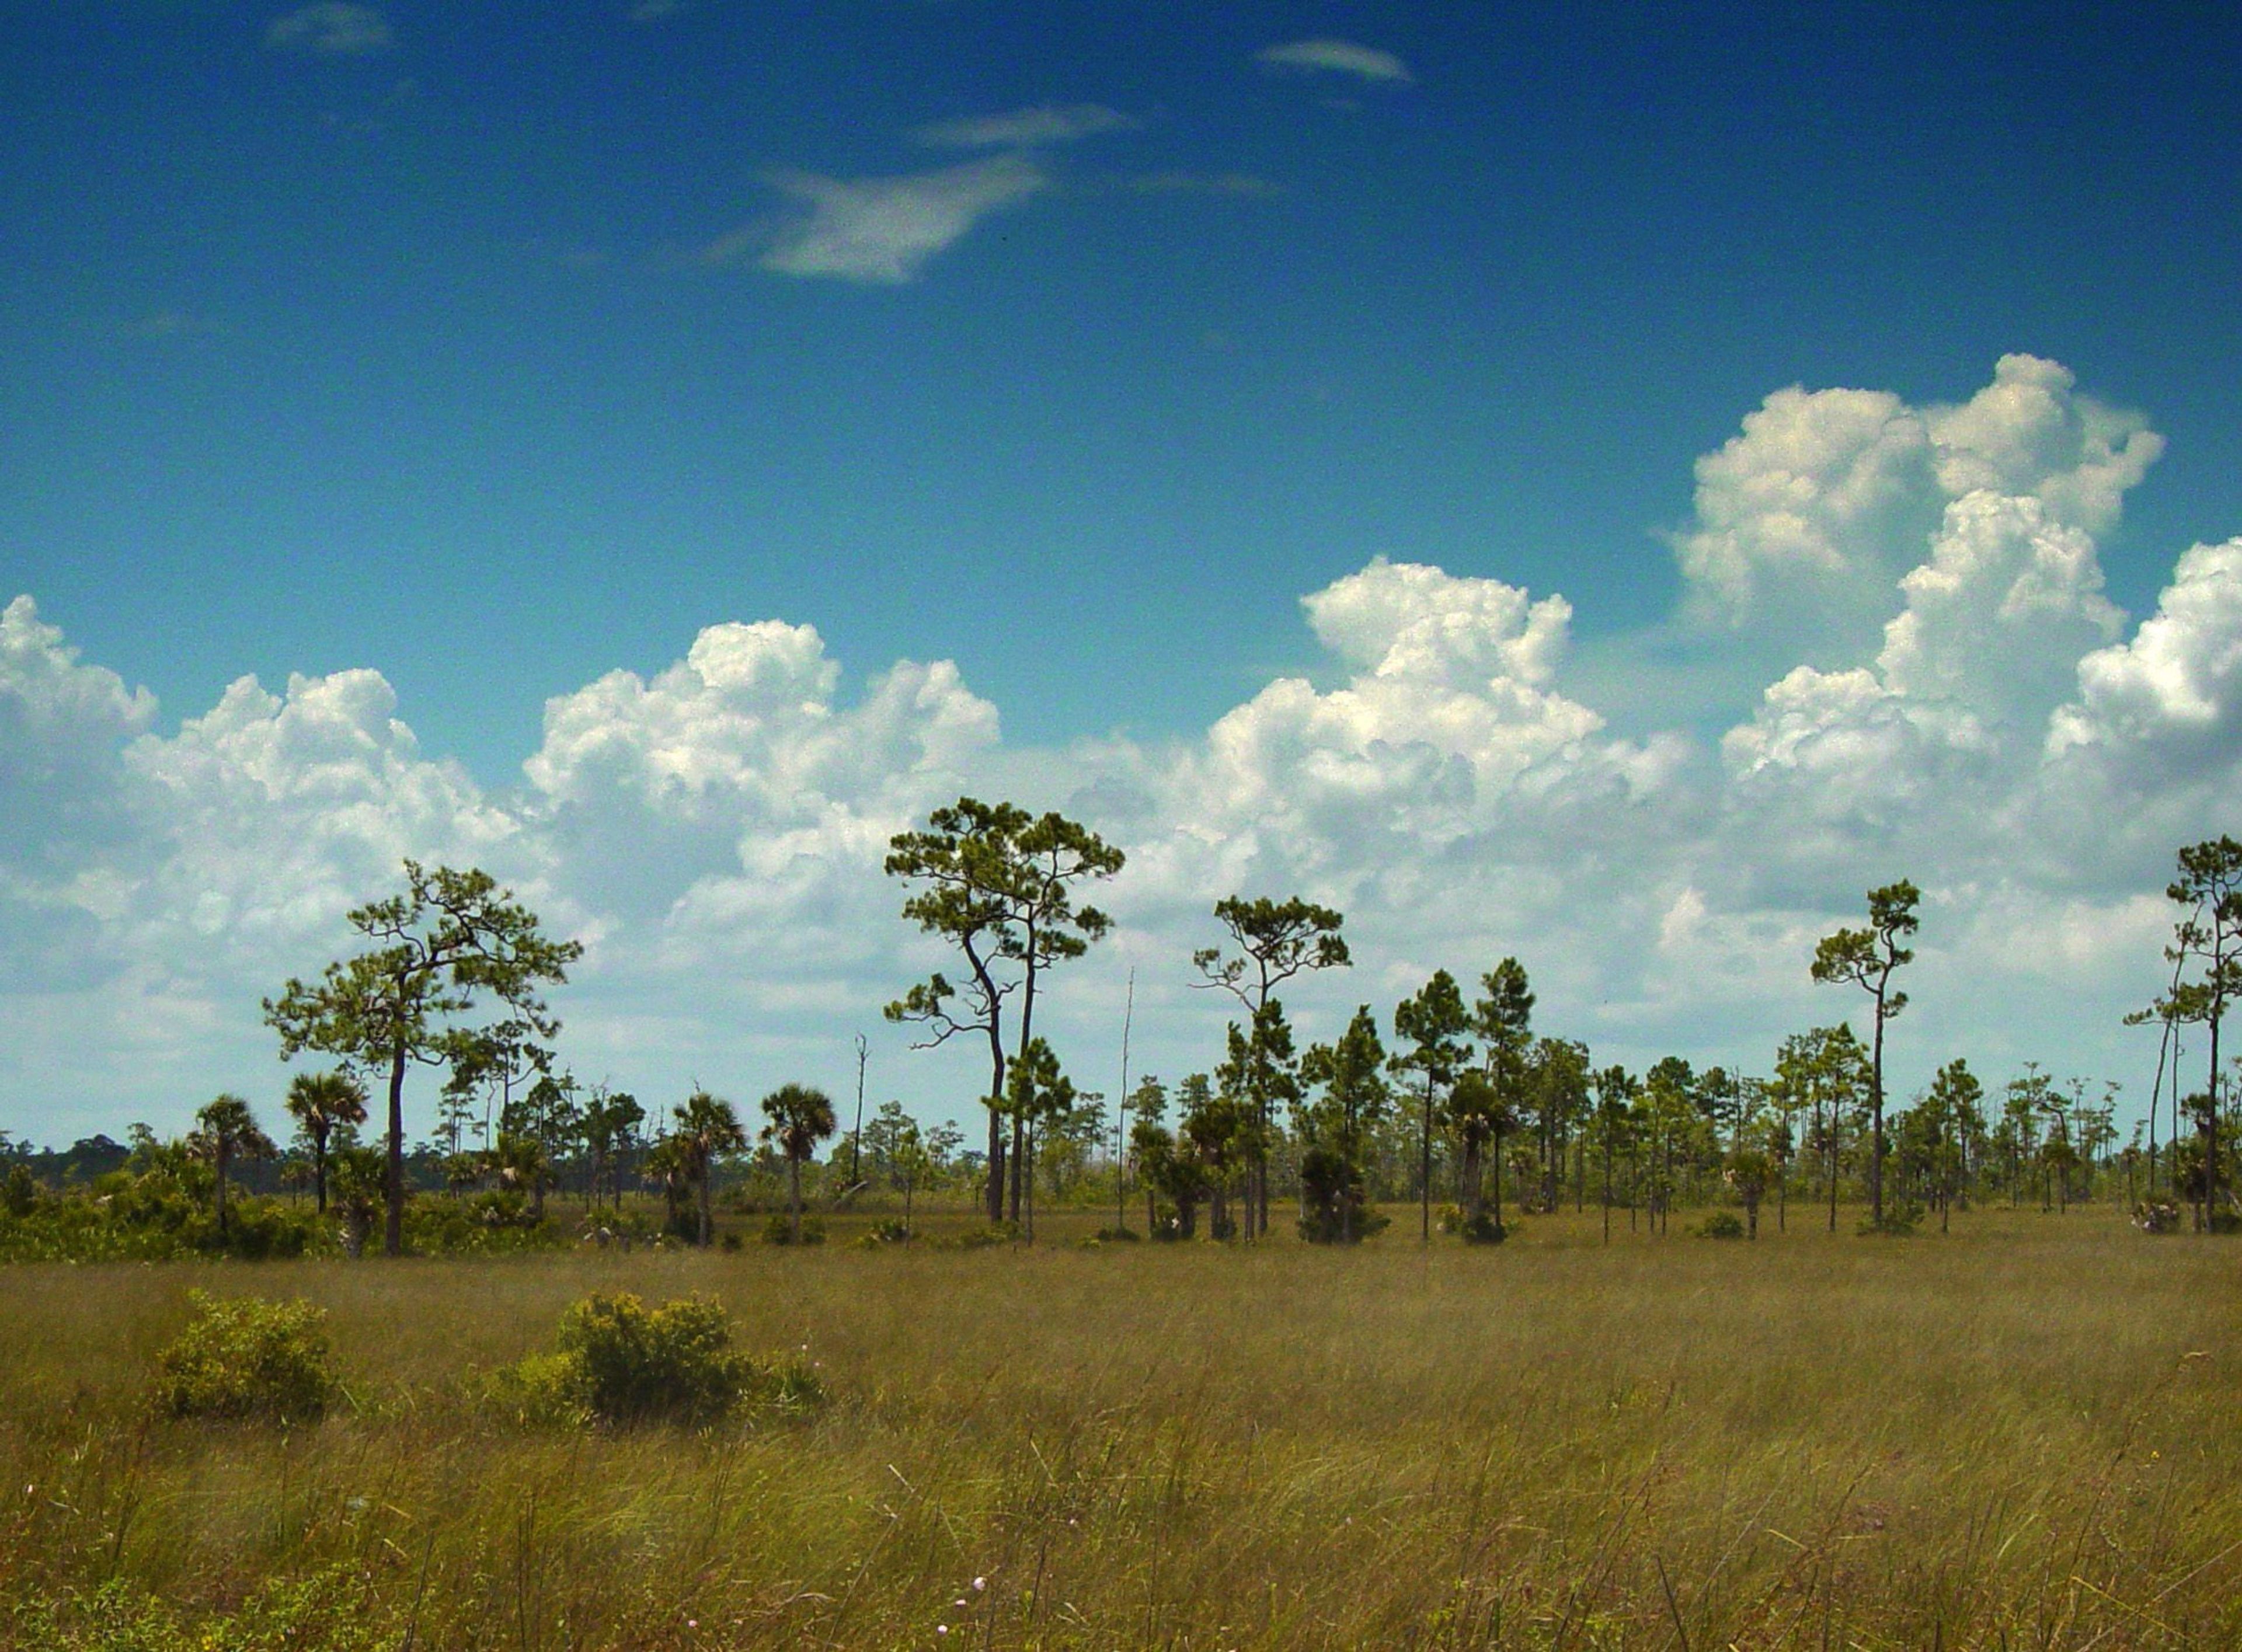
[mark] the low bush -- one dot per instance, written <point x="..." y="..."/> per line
<point x="889" y="1232"/>
<point x="1721" y="1224"/>
<point x="2157" y="1217"/>
<point x="618" y="1361"/>
<point x="246" y="1357"/>
<point x="779" y="1230"/>
<point x="976" y="1239"/>
<point x="1899" y="1222"/>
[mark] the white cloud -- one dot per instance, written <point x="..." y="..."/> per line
<point x="880" y="231"/>
<point x="1337" y="57"/>
<point x="332" y="28"/>
<point x="715" y="828"/>
<point x="2180" y="677"/>
<point x="1024" y="128"/>
<point x="1806" y="519"/>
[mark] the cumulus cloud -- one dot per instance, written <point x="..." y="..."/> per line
<point x="1024" y="128"/>
<point x="332" y="28"/>
<point x="715" y="828"/>
<point x="881" y="230"/>
<point x="1807" y="519"/>
<point x="1337" y="57"/>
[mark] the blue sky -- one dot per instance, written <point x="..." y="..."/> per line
<point x="417" y="350"/>
<point x="496" y="348"/>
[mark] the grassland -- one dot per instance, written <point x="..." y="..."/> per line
<point x="2025" y="1434"/>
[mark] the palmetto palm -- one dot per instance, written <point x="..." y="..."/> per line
<point x="225" y="1131"/>
<point x="706" y="1126"/>
<point x="321" y="1101"/>
<point x="800" y="1117"/>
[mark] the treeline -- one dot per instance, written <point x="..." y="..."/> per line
<point x="1453" y="1099"/>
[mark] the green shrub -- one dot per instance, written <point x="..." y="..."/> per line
<point x="246" y="1358"/>
<point x="1721" y="1224"/>
<point x="779" y="1230"/>
<point x="976" y="1239"/>
<point x="619" y="1361"/>
<point x="889" y="1232"/>
<point x="1899" y="1222"/>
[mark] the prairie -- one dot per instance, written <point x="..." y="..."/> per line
<point x="2022" y="1434"/>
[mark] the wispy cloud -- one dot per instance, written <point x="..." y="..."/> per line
<point x="655" y="10"/>
<point x="1338" y="56"/>
<point x="332" y="28"/>
<point x="880" y="230"/>
<point x="1024" y="128"/>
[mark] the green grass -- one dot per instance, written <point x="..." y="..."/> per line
<point x="2022" y="1435"/>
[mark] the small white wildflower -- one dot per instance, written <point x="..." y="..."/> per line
<point x="980" y="1582"/>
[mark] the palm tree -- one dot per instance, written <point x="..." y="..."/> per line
<point x="800" y="1118"/>
<point x="321" y="1101"/>
<point x="225" y="1131"/>
<point x="706" y="1127"/>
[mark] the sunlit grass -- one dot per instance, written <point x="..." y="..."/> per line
<point x="2002" y="1436"/>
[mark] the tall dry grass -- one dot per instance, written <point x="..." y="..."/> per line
<point x="2022" y="1435"/>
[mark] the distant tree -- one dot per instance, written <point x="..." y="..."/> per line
<point x="1037" y="1096"/>
<point x="452" y="938"/>
<point x="1217" y="1124"/>
<point x="799" y="1117"/>
<point x="998" y="884"/>
<point x="1612" y="1124"/>
<point x="1433" y="1024"/>
<point x="703" y="1128"/>
<point x="2209" y="890"/>
<point x="1504" y="1021"/>
<point x="1275" y="940"/>
<point x="1555" y="1091"/>
<point x="522" y="1165"/>
<point x="320" y="1102"/>
<point x="1954" y="1106"/>
<point x="1866" y="958"/>
<point x="1146" y="1104"/>
<point x="1338" y="1125"/>
<point x="611" y="1125"/>
<point x="1749" y="1172"/>
<point x="226" y="1132"/>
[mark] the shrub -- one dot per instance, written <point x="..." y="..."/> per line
<point x="246" y="1358"/>
<point x="1482" y="1229"/>
<point x="2157" y="1217"/>
<point x="1899" y="1222"/>
<point x="891" y="1232"/>
<point x="619" y="1361"/>
<point x="1721" y="1224"/>
<point x="779" y="1230"/>
<point x="976" y="1239"/>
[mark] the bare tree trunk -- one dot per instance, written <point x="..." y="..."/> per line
<point x="393" y="1189"/>
<point x="1877" y="1120"/>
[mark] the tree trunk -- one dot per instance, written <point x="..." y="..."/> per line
<point x="393" y="1187"/>
<point x="218" y="1157"/>
<point x="1877" y="1120"/>
<point x="994" y="1193"/>
<point x="708" y="1179"/>
<point x="1425" y="1169"/>
<point x="2210" y="1123"/>
<point x="793" y="1193"/>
